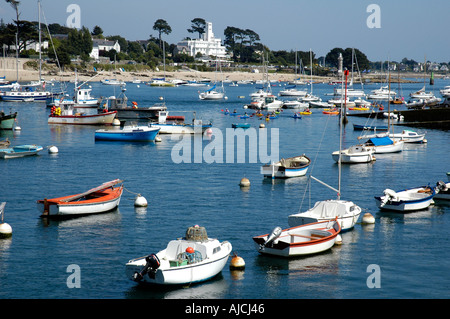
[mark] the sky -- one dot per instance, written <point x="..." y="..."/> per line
<point x="395" y="29"/>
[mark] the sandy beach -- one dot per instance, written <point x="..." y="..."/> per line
<point x="8" y="69"/>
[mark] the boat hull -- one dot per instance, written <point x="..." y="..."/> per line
<point x="294" y="241"/>
<point x="354" y="154"/>
<point x="170" y="274"/>
<point x="105" y="201"/>
<point x="7" y="121"/>
<point x="18" y="96"/>
<point x="95" y="119"/>
<point x="287" y="168"/>
<point x="20" y="151"/>
<point x="407" y="200"/>
<point x="139" y="134"/>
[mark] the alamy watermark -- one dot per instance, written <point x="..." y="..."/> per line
<point x="74" y="19"/>
<point x="374" y="279"/>
<point x="374" y="19"/>
<point x="74" y="279"/>
<point x="191" y="150"/>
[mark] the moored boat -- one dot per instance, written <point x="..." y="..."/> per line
<point x="300" y="240"/>
<point x="7" y="121"/>
<point x="128" y="133"/>
<point x="20" y="151"/>
<point x="354" y="154"/>
<point x="101" y="199"/>
<point x="287" y="167"/>
<point x="66" y="115"/>
<point x="191" y="259"/>
<point x="411" y="199"/>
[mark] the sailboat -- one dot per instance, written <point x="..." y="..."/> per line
<point x="213" y="93"/>
<point x="351" y="92"/>
<point x="309" y="97"/>
<point x="28" y="93"/>
<point x="346" y="212"/>
<point x="162" y="81"/>
<point x="382" y="143"/>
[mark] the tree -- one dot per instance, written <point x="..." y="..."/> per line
<point x="97" y="31"/>
<point x="162" y="27"/>
<point x="198" y="25"/>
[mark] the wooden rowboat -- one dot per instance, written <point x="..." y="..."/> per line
<point x="101" y="199"/>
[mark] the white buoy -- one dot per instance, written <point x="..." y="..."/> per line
<point x="368" y="219"/>
<point x="17" y="128"/>
<point x="338" y="240"/>
<point x="157" y="139"/>
<point x="116" y="122"/>
<point x="5" y="230"/>
<point x="140" y="201"/>
<point x="208" y="131"/>
<point x="53" y="149"/>
<point x="244" y="182"/>
<point x="262" y="125"/>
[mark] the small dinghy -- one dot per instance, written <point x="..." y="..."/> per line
<point x="194" y="258"/>
<point x="101" y="199"/>
<point x="406" y="200"/>
<point x="20" y="151"/>
<point x="299" y="241"/>
<point x="287" y="167"/>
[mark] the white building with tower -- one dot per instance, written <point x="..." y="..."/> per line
<point x="208" y="45"/>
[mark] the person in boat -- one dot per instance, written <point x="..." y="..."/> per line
<point x="235" y="111"/>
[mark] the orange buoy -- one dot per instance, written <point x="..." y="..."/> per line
<point x="237" y="263"/>
<point x="190" y="250"/>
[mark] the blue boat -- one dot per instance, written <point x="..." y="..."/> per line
<point x="131" y="133"/>
<point x="240" y="125"/>
<point x="20" y="151"/>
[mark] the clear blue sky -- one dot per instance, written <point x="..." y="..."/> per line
<point x="412" y="29"/>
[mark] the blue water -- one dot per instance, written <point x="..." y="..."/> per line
<point x="411" y="250"/>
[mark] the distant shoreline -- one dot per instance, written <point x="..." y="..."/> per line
<point x="26" y="75"/>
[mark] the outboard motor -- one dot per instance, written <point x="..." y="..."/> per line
<point x="150" y="267"/>
<point x="276" y="232"/>
<point x="389" y="194"/>
<point x="440" y="186"/>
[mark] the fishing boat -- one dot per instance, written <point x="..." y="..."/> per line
<point x="20" y="151"/>
<point x="7" y="121"/>
<point x="354" y="154"/>
<point x="300" y="240"/>
<point x="175" y="127"/>
<point x="406" y="200"/>
<point x="128" y="133"/>
<point x="66" y="115"/>
<point x="346" y="212"/>
<point x="133" y="111"/>
<point x="191" y="259"/>
<point x="101" y="199"/>
<point x="287" y="167"/>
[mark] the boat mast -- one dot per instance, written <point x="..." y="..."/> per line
<point x="40" y="48"/>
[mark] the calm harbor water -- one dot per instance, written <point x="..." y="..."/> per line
<point x="410" y="249"/>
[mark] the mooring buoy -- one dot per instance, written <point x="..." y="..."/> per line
<point x="140" y="201"/>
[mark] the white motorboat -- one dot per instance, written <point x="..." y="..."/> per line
<point x="411" y="199"/>
<point x="112" y="82"/>
<point x="300" y="240"/>
<point x="341" y="101"/>
<point x="287" y="167"/>
<point x="421" y="94"/>
<point x="194" y="258"/>
<point x="444" y="190"/>
<point x="295" y="104"/>
<point x="320" y="104"/>
<point x="408" y="136"/>
<point x="354" y="154"/>
<point x="197" y="127"/>
<point x="293" y="92"/>
<point x="311" y="98"/>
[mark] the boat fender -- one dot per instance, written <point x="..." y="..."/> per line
<point x="150" y="267"/>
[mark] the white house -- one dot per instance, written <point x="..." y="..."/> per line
<point x="103" y="45"/>
<point x="208" y="45"/>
